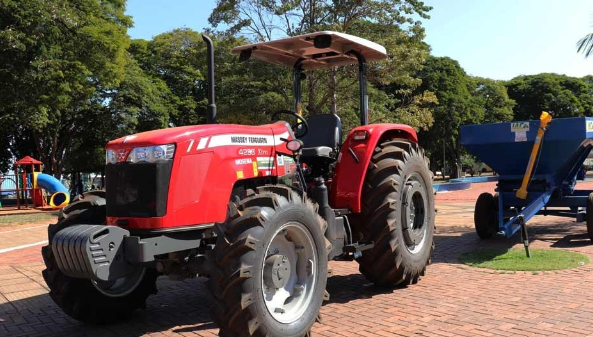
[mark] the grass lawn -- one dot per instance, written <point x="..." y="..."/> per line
<point x="515" y="259"/>
<point x="22" y="219"/>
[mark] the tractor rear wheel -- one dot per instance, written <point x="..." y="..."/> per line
<point x="397" y="214"/>
<point x="486" y="216"/>
<point x="269" y="265"/>
<point x="87" y="300"/>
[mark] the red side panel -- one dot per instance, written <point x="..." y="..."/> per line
<point x="346" y="187"/>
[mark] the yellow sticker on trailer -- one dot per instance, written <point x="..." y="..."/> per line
<point x="239" y="174"/>
<point x="255" y="168"/>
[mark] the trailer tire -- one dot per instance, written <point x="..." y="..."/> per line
<point x="589" y="216"/>
<point x="80" y="298"/>
<point x="397" y="191"/>
<point x="486" y="216"/>
<point x="256" y="238"/>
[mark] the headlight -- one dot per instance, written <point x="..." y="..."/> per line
<point x="110" y="157"/>
<point x="151" y="154"/>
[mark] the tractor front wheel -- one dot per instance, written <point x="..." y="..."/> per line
<point x="87" y="300"/>
<point x="269" y="265"/>
<point x="397" y="214"/>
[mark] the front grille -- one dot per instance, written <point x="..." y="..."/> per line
<point x="137" y="190"/>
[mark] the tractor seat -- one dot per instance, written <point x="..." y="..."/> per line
<point x="324" y="137"/>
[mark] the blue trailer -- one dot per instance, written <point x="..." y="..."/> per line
<point x="507" y="148"/>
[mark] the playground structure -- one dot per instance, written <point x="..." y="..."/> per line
<point x="27" y="184"/>
<point x="537" y="163"/>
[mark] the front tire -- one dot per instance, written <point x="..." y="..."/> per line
<point x="269" y="265"/>
<point x="397" y="214"/>
<point x="83" y="299"/>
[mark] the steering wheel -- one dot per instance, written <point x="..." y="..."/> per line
<point x="300" y="128"/>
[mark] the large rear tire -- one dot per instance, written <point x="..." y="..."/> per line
<point x="269" y="265"/>
<point x="87" y="300"/>
<point x="486" y="216"/>
<point x="397" y="214"/>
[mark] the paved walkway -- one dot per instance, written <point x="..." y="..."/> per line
<point x="451" y="300"/>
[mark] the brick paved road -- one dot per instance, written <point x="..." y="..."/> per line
<point x="452" y="300"/>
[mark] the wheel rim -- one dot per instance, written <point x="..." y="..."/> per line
<point x="122" y="286"/>
<point x="415" y="217"/>
<point x="289" y="272"/>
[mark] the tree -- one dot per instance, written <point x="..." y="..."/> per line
<point x="585" y="45"/>
<point x="55" y="56"/>
<point x="457" y="106"/>
<point x="247" y="93"/>
<point x="565" y="96"/>
<point x="388" y="22"/>
<point x="493" y="97"/>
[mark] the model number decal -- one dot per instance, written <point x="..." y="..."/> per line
<point x="247" y="152"/>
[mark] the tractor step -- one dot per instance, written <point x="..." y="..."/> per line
<point x="354" y="251"/>
<point x="358" y="247"/>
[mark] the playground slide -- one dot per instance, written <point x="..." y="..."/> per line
<point x="60" y="196"/>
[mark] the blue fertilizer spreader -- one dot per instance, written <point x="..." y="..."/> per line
<point x="537" y="166"/>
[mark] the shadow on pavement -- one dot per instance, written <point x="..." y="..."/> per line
<point x="346" y="288"/>
<point x="181" y="307"/>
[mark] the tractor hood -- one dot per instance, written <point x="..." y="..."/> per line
<point x="180" y="134"/>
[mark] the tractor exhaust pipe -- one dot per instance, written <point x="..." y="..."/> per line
<point x="211" y="101"/>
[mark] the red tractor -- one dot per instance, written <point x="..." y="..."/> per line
<point x="259" y="210"/>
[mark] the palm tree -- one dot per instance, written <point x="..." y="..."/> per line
<point x="586" y="45"/>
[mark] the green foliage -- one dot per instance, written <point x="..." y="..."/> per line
<point x="56" y="56"/>
<point x="585" y="45"/>
<point x="461" y="100"/>
<point x="565" y="96"/>
<point x="457" y="106"/>
<point x="174" y="58"/>
<point x="493" y="96"/>
<point x="247" y="93"/>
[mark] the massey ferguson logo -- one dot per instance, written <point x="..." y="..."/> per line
<point x="121" y="155"/>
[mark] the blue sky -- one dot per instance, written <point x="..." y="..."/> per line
<point x="498" y="39"/>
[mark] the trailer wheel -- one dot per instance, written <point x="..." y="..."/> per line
<point x="87" y="300"/>
<point x="486" y="216"/>
<point x="269" y="265"/>
<point x="589" y="216"/>
<point x="397" y="214"/>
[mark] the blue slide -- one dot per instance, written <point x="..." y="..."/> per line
<point x="60" y="196"/>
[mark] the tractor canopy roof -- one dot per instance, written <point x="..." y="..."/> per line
<point x="314" y="51"/>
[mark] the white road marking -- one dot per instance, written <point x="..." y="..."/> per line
<point x="6" y="250"/>
<point x="23" y="229"/>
